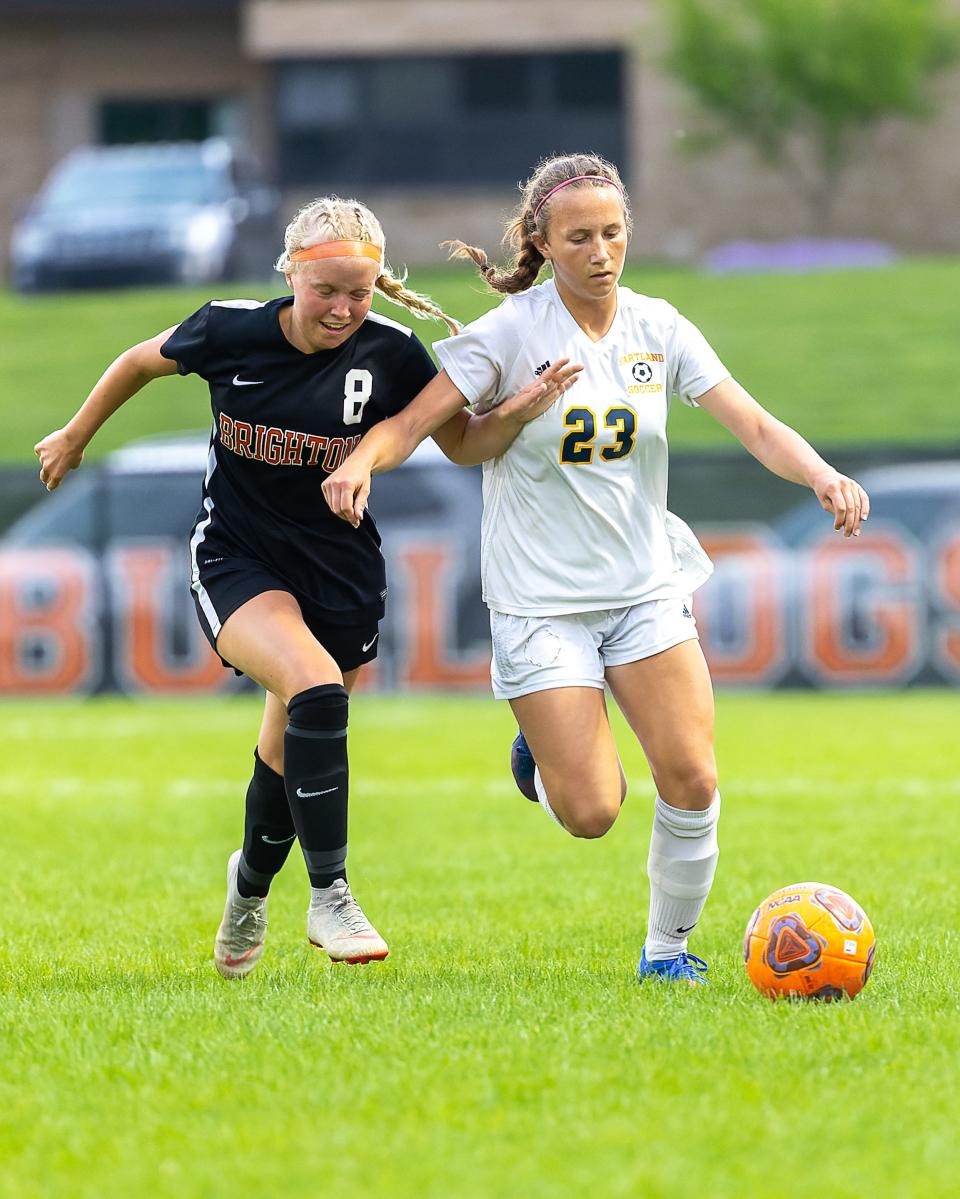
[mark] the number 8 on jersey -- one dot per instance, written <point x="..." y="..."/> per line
<point x="357" y="389"/>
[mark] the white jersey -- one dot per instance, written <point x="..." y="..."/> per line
<point x="575" y="511"/>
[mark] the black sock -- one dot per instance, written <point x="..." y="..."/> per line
<point x="268" y="832"/>
<point x="316" y="776"/>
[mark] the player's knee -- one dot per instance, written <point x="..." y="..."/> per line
<point x="691" y="786"/>
<point x="304" y="676"/>
<point x="594" y="821"/>
<point x="319" y="708"/>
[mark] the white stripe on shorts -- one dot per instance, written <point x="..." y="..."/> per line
<point x="206" y="604"/>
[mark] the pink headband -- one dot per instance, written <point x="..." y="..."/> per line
<point x="575" y="179"/>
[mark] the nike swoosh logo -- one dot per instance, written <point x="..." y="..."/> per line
<point x="683" y="931"/>
<point x="369" y="643"/>
<point x="311" y="794"/>
<point x="238" y="382"/>
<point x="229" y="961"/>
<point x="275" y="841"/>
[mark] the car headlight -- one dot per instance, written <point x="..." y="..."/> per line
<point x="206" y="233"/>
<point x="28" y="242"/>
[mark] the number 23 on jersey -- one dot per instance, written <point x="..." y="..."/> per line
<point x="577" y="446"/>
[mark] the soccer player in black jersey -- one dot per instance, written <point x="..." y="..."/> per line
<point x="285" y="591"/>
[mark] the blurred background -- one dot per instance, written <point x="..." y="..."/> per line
<point x="795" y="177"/>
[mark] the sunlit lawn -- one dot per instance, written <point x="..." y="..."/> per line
<point x="504" y="1049"/>
<point x="849" y="358"/>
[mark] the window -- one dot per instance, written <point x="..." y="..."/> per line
<point x="581" y="83"/>
<point x="122" y="122"/>
<point x="309" y="99"/>
<point x="498" y="82"/>
<point x="461" y="120"/>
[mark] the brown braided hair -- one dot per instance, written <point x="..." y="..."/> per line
<point x="331" y="219"/>
<point x="528" y="260"/>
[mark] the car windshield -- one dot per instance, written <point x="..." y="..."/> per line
<point x="93" y="182"/>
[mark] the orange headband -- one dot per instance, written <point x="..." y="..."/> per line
<point x="339" y="249"/>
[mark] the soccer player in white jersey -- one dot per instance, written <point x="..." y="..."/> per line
<point x="587" y="575"/>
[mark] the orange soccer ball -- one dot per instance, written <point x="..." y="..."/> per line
<point x="809" y="941"/>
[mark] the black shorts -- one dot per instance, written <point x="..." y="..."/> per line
<point x="227" y="583"/>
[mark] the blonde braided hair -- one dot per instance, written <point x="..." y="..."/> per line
<point x="526" y="221"/>
<point x="331" y="218"/>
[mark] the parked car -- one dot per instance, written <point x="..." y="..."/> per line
<point x="183" y="212"/>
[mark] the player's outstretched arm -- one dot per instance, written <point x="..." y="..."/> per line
<point x="62" y="450"/>
<point x="387" y="444"/>
<point x="468" y="439"/>
<point x="784" y="452"/>
<point x="439" y="410"/>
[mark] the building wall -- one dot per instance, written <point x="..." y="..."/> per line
<point x="904" y="187"/>
<point x="299" y="28"/>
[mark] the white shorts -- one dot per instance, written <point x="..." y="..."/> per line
<point x="537" y="653"/>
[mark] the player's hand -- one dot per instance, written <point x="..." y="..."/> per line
<point x="542" y="393"/>
<point x="845" y="499"/>
<point x="58" y="452"/>
<point x="347" y="491"/>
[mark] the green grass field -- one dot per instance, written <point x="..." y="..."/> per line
<point x="504" y="1048"/>
<point x="849" y="358"/>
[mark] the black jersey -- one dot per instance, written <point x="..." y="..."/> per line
<point x="282" y="421"/>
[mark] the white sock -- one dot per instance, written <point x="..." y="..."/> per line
<point x="681" y="865"/>
<point x="542" y="796"/>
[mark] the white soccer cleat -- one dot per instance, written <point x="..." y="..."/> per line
<point x="242" y="931"/>
<point x="336" y="923"/>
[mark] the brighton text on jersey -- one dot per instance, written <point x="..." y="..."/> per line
<point x="284" y="447"/>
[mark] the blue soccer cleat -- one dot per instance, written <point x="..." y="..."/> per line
<point x="522" y="765"/>
<point x="684" y="968"/>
